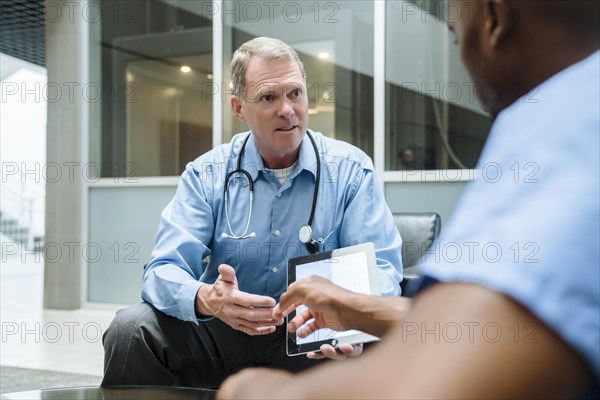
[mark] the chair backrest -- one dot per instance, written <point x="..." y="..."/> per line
<point x="418" y="232"/>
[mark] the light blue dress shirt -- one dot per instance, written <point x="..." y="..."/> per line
<point x="350" y="209"/>
<point x="529" y="227"/>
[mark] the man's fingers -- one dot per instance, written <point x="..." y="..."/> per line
<point x="331" y="352"/>
<point x="351" y="350"/>
<point x="301" y="319"/>
<point x="345" y="350"/>
<point x="263" y="330"/>
<point x="278" y="322"/>
<point x="254" y="300"/>
<point x="227" y="274"/>
<point x="259" y="322"/>
<point x="280" y="312"/>
<point x="255" y="330"/>
<point x="254" y="315"/>
<point x="313" y="355"/>
<point x="294" y="295"/>
<point x="308" y="329"/>
<point x="326" y="351"/>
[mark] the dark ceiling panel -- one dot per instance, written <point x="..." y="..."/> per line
<point x="22" y="30"/>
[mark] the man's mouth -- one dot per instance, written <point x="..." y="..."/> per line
<point x="286" y="128"/>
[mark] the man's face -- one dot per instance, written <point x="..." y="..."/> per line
<point x="468" y="23"/>
<point x="275" y="108"/>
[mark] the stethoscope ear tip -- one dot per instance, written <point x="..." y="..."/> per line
<point x="252" y="235"/>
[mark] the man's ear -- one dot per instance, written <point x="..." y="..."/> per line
<point x="236" y="108"/>
<point x="499" y="21"/>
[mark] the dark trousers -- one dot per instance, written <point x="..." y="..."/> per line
<point x="144" y="346"/>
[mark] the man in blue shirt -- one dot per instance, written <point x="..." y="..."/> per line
<point x="514" y="311"/>
<point x="242" y="205"/>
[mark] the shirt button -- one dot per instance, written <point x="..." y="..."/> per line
<point x="279" y="194"/>
<point x="274" y="269"/>
<point x="191" y="318"/>
<point x="277" y="232"/>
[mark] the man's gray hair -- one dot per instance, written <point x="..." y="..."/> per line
<point x="265" y="48"/>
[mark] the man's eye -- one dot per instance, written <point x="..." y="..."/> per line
<point x="294" y="94"/>
<point x="267" y="97"/>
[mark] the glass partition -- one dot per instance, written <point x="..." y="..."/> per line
<point x="153" y="61"/>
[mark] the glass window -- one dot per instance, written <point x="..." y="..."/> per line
<point x="153" y="59"/>
<point x="433" y="120"/>
<point x="334" y="41"/>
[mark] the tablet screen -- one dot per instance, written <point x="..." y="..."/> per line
<point x="353" y="268"/>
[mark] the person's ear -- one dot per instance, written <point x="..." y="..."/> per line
<point x="236" y="108"/>
<point x="499" y="21"/>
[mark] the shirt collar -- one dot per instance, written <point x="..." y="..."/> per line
<point x="253" y="162"/>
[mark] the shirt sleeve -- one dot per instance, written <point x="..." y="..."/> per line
<point x="172" y="277"/>
<point x="368" y="219"/>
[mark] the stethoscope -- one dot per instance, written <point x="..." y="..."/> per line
<point x="305" y="232"/>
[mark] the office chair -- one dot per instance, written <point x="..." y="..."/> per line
<point x="418" y="232"/>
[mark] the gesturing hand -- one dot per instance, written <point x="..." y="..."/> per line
<point x="249" y="313"/>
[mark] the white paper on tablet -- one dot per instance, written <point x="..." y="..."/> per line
<point x="353" y="268"/>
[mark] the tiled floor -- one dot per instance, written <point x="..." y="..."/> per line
<point x="67" y="341"/>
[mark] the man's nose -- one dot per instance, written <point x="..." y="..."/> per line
<point x="285" y="109"/>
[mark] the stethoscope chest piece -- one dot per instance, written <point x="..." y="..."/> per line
<point x="305" y="236"/>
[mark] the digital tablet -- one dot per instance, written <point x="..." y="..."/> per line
<point x="353" y="268"/>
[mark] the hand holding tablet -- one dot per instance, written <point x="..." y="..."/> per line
<point x="353" y="270"/>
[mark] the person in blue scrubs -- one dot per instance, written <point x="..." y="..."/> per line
<point x="515" y="313"/>
<point x="219" y="262"/>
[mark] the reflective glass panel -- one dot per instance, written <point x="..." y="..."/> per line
<point x="153" y="59"/>
<point x="433" y="120"/>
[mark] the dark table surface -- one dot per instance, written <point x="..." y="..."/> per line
<point x="114" y="393"/>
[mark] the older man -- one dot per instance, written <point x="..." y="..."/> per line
<point x="242" y="205"/>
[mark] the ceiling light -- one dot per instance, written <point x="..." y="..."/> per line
<point x="185" y="69"/>
<point x="323" y="55"/>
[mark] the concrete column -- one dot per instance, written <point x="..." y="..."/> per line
<point x="66" y="63"/>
